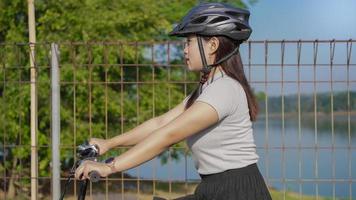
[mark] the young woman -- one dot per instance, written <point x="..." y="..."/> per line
<point x="216" y="119"/>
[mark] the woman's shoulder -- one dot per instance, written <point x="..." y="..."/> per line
<point x="226" y="83"/>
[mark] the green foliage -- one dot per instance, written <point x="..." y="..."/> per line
<point x="93" y="20"/>
<point x="99" y="96"/>
<point x="323" y="102"/>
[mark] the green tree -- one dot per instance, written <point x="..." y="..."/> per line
<point x="89" y="106"/>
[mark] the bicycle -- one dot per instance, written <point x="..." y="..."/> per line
<point x="85" y="152"/>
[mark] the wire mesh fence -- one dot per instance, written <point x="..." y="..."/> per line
<point x="305" y="134"/>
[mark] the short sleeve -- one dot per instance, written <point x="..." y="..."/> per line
<point x="222" y="96"/>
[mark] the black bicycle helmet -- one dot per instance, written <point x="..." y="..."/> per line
<point x="215" y="19"/>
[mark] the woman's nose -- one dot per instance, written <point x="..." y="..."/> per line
<point x="185" y="50"/>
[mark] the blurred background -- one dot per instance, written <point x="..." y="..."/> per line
<point x="118" y="68"/>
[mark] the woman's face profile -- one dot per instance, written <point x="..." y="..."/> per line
<point x="192" y="54"/>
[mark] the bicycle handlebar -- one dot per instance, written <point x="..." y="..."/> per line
<point x="85" y="151"/>
<point x="94" y="176"/>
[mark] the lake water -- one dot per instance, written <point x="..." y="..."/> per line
<point x="324" y="171"/>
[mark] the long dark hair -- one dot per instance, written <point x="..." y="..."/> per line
<point x="233" y="67"/>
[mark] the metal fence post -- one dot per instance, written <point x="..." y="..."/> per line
<point x="55" y="105"/>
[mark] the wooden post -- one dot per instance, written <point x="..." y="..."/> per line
<point x="32" y="42"/>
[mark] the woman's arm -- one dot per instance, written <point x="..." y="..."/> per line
<point x="137" y="134"/>
<point x="198" y="117"/>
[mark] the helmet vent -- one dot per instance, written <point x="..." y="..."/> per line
<point x="219" y="19"/>
<point x="237" y="15"/>
<point x="199" y="20"/>
<point x="238" y="27"/>
<point x="215" y="19"/>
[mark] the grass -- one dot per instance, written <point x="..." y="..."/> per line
<point x="279" y="195"/>
<point x="178" y="190"/>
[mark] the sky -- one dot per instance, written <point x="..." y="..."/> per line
<point x="306" y="19"/>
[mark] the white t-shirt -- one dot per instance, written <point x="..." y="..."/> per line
<point x="229" y="144"/>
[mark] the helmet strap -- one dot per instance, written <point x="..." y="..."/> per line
<point x="235" y="51"/>
<point x="206" y="68"/>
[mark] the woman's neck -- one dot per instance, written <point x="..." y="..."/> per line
<point x="215" y="71"/>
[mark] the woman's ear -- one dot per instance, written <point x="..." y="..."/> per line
<point x="213" y="45"/>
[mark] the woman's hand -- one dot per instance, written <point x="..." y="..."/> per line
<point x="82" y="172"/>
<point x="102" y="144"/>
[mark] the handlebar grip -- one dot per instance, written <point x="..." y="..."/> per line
<point x="94" y="176"/>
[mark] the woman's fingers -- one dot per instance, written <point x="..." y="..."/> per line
<point x="85" y="173"/>
<point x="84" y="170"/>
<point x="81" y="173"/>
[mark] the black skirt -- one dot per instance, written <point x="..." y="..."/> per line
<point x="244" y="183"/>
